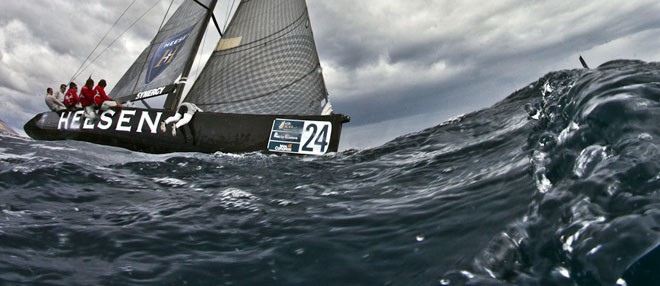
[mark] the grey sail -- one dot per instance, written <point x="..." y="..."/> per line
<point x="164" y="60"/>
<point x="266" y="63"/>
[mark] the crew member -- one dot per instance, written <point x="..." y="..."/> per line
<point x="59" y="94"/>
<point x="53" y="103"/>
<point x="71" y="99"/>
<point x="87" y="98"/>
<point x="183" y="115"/>
<point x="101" y="99"/>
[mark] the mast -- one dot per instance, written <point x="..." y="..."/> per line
<point x="172" y="101"/>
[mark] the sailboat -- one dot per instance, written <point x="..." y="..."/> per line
<point x="261" y="90"/>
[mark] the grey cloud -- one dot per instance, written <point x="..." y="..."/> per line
<point x="499" y="46"/>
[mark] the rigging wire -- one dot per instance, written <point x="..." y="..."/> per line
<point x="77" y="73"/>
<point x="199" y="56"/>
<point x="215" y="21"/>
<point x="120" y="35"/>
<point x="228" y="14"/>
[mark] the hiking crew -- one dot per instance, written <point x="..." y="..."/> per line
<point x="101" y="99"/>
<point x="87" y="99"/>
<point x="53" y="103"/>
<point x="71" y="99"/>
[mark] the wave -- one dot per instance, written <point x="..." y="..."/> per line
<point x="596" y="164"/>
<point x="555" y="185"/>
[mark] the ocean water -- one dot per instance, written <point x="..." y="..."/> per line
<point x="558" y="184"/>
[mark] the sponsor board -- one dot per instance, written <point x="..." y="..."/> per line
<point x="284" y="136"/>
<point x="300" y="136"/>
<point x="283" y="147"/>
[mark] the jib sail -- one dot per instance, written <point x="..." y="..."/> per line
<point x="166" y="58"/>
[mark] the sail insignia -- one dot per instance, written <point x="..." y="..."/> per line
<point x="165" y="54"/>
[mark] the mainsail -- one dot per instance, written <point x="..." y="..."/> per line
<point x="266" y="63"/>
<point x="169" y="53"/>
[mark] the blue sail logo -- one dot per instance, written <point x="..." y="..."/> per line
<point x="165" y="54"/>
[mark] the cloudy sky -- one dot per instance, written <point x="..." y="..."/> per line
<point x="394" y="66"/>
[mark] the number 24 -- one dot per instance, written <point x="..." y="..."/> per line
<point x="320" y="141"/>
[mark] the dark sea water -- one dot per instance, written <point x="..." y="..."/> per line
<point x="556" y="185"/>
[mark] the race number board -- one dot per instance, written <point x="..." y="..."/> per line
<point x="300" y="136"/>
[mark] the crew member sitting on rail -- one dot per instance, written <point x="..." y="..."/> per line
<point x="53" y="103"/>
<point x="101" y="99"/>
<point x="71" y="99"/>
<point x="59" y="94"/>
<point x="87" y="98"/>
<point x="183" y="115"/>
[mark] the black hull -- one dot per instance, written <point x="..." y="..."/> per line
<point x="138" y="129"/>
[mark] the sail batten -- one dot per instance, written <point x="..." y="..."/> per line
<point x="266" y="63"/>
<point x="165" y="59"/>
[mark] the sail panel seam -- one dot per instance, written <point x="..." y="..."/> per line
<point x="268" y="93"/>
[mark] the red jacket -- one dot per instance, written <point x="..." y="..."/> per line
<point x="100" y="96"/>
<point x="87" y="97"/>
<point x="71" y="98"/>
